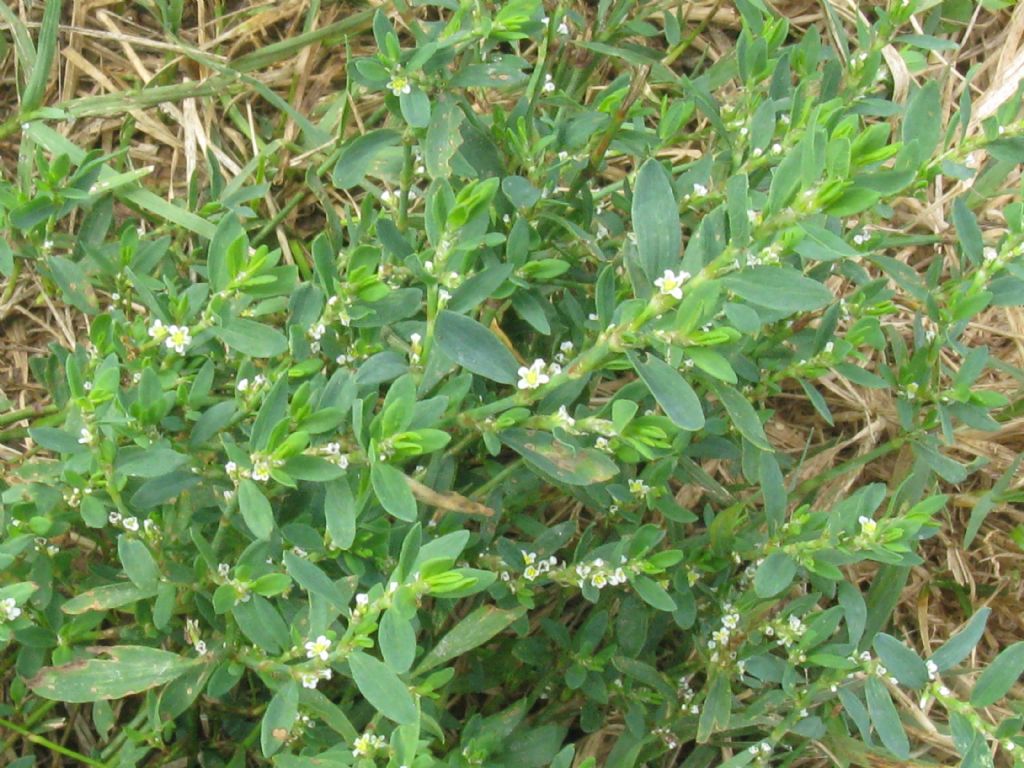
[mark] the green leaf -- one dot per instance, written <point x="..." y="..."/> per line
<point x="968" y="231"/>
<point x="148" y="462"/>
<point x="397" y="640"/>
<point x="309" y="576"/>
<point x="1001" y="675"/>
<point x="46" y="49"/>
<point x="886" y="719"/>
<point x="652" y="593"/>
<point x="781" y="288"/>
<point x="57" y="440"/>
<point x="73" y="282"/>
<point x="473" y="631"/>
<point x="158" y="490"/>
<point x="960" y="645"/>
<point x="415" y="107"/>
<point x="340" y="513"/>
<point x="138" y="563"/>
<point x="106" y="598"/>
<point x="671" y="390"/>
<point x="774" y="574"/>
<point x="383" y="689"/>
<point x="743" y="416"/>
<point x="252" y="338"/>
<point x="656" y="220"/>
<point x="359" y="154"/>
<point x="901" y="662"/>
<point x="922" y="124"/>
<point x="443" y="138"/>
<point x="572" y="466"/>
<point x="475" y="348"/>
<point x="717" y="708"/>
<point x="393" y="491"/>
<point x="279" y="718"/>
<point x="255" y="509"/>
<point x="130" y="669"/>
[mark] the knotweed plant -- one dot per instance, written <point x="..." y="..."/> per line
<point x="484" y="471"/>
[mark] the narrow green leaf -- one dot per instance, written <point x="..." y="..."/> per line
<point x="743" y="416"/>
<point x="901" y="662"/>
<point x="46" y="48"/>
<point x="106" y="598"/>
<point x="252" y="338"/>
<point x="279" y="718"/>
<point x="1001" y="675"/>
<point x="652" y="593"/>
<point x="130" y="669"/>
<point x="474" y="630"/>
<point x="886" y="719"/>
<point x="960" y="645"/>
<point x="397" y="640"/>
<point x="781" y="288"/>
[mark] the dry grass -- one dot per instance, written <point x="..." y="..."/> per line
<point x="109" y="49"/>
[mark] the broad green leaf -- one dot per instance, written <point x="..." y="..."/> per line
<point x="656" y="220"/>
<point x="886" y="719"/>
<point x="415" y="107"/>
<point x="252" y="338"/>
<point x="138" y="563"/>
<point x="158" y="490"/>
<point x="255" y="509"/>
<point x="130" y="669"/>
<point x="922" y="124"/>
<point x="279" y="718"/>
<point x="580" y="466"/>
<point x="474" y="630"/>
<point x="74" y="284"/>
<point x="471" y="345"/>
<point x="960" y="645"/>
<point x="57" y="440"/>
<point x="340" y="513"/>
<point x="313" y="580"/>
<point x="901" y="662"/>
<point x="671" y="390"/>
<point x="1001" y="675"/>
<point x="393" y="491"/>
<point x="148" y="462"/>
<point x="383" y="689"/>
<point x="968" y="231"/>
<point x="780" y="288"/>
<point x="774" y="574"/>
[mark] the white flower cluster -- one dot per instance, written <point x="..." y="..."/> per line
<point x="721" y="637"/>
<point x="671" y="283"/>
<point x="312" y="679"/>
<point x="564" y="420"/>
<point x="261" y="466"/>
<point x="174" y="337"/>
<point x="538" y="374"/>
<point x="335" y="455"/>
<point x="787" y="632"/>
<point x="868" y="527"/>
<point x="764" y="748"/>
<point x="9" y="609"/>
<point x="564" y="350"/>
<point x="192" y="635"/>
<point x="639" y="488"/>
<point x="534" y="568"/>
<point x="131" y="524"/>
<point x="368" y="744"/>
<point x="244" y="385"/>
<point x="600" y="574"/>
<point x="685" y="693"/>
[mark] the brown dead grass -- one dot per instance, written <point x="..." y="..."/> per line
<point x="110" y="47"/>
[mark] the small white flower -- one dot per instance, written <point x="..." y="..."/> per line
<point x="114" y="518"/>
<point x="933" y="669"/>
<point x="362" y="599"/>
<point x="601" y="443"/>
<point x="534" y="376"/>
<point x="549" y="84"/>
<point x="566" y="347"/>
<point x="259" y="380"/>
<point x="158" y="330"/>
<point x="242" y="385"/>
<point x="178" y="338"/>
<point x="599" y="580"/>
<point x="699" y="189"/>
<point x="367" y="744"/>
<point x="131" y="524"/>
<point x="10" y="608"/>
<point x="443" y="295"/>
<point x="776" y="148"/>
<point x="310" y="679"/>
<point x="230" y="467"/>
<point x="671" y="283"/>
<point x="563" y="29"/>
<point x="399" y="84"/>
<point x="944" y="691"/>
<point x="867" y="525"/>
<point x="84" y="436"/>
<point x="260" y="469"/>
<point x="638" y="487"/>
<point x="200" y="647"/>
<point x="989" y="254"/>
<point x="321" y="647"/>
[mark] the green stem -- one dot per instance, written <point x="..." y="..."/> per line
<point x="23" y="413"/>
<point x="50" y="745"/>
